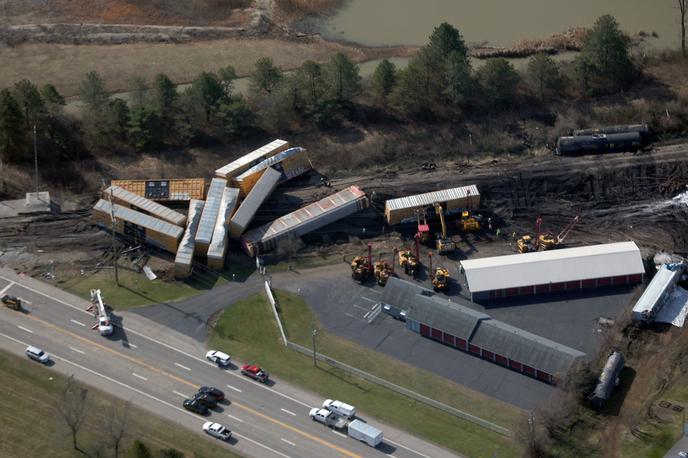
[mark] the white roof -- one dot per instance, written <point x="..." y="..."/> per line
<point x="250" y="159"/>
<point x="553" y="266"/>
<point x="423" y="200"/>
<point x="656" y="291"/>
<point x="146" y="205"/>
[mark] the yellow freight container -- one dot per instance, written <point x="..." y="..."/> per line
<point x="454" y="200"/>
<point x="165" y="190"/>
<point x="290" y="163"/>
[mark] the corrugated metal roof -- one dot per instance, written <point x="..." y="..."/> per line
<point x="312" y="212"/>
<point x="426" y="307"/>
<point x="423" y="200"/>
<point x="140" y="219"/>
<point x="656" y="292"/>
<point x="186" y="246"/>
<point x="218" y="246"/>
<point x="255" y="198"/>
<point x="230" y="169"/>
<point x="147" y="205"/>
<point x="553" y="266"/>
<point x="279" y="157"/>
<point x="212" y="206"/>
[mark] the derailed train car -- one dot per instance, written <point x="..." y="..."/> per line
<point x="608" y="380"/>
<point x="600" y="144"/>
<point x="644" y="130"/>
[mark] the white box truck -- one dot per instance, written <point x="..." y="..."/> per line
<point x="340" y="408"/>
<point x="365" y="433"/>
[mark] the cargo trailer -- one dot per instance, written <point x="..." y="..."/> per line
<point x="206" y="225"/>
<point x="363" y="432"/>
<point x="121" y="196"/>
<point x="255" y="198"/>
<point x="165" y="190"/>
<point x="304" y="220"/>
<point x="217" y="250"/>
<point x="184" y="258"/>
<point x="249" y="160"/>
<point x="453" y="201"/>
<point x="289" y="163"/>
<point x="137" y="226"/>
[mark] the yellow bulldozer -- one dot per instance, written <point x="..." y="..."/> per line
<point x="440" y="279"/>
<point x="469" y="222"/>
<point x="526" y="244"/>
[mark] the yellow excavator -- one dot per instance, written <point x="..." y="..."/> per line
<point x="548" y="240"/>
<point x="361" y="267"/>
<point x="468" y="222"/>
<point x="443" y="243"/>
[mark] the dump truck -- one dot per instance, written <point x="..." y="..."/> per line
<point x="12" y="302"/>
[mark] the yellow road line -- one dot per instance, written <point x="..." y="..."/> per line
<point x="91" y="343"/>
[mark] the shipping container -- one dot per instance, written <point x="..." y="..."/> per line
<point x="137" y="226"/>
<point x="290" y="163"/>
<point x="454" y="200"/>
<point x="304" y="220"/>
<point x="165" y="190"/>
<point x="121" y="196"/>
<point x="184" y="259"/>
<point x="218" y="246"/>
<point x="206" y="226"/>
<point x="244" y="215"/>
<point x="254" y="157"/>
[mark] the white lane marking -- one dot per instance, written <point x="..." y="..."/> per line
<point x="25" y="329"/>
<point x="183" y="367"/>
<point x="163" y="344"/>
<point x="180" y="394"/>
<point x="338" y="433"/>
<point x="78" y="322"/>
<point x="131" y="345"/>
<point x="139" y="376"/>
<point x="368" y="299"/>
<point x="235" y="418"/>
<point x="4" y="290"/>
<point x="235" y="389"/>
<point x="288" y="411"/>
<point x="288" y="442"/>
<point x="77" y="350"/>
<point x="350" y="315"/>
<point x="149" y="396"/>
<point x="405" y="447"/>
<point x="366" y="315"/>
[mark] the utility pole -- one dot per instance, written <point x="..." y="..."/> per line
<point x="315" y="360"/>
<point x="113" y="245"/>
<point x="35" y="158"/>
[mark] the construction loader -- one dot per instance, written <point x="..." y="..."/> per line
<point x="469" y="222"/>
<point x="361" y="267"/>
<point x="383" y="270"/>
<point x="440" y="279"/>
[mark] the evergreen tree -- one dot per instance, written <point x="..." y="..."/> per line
<point x="144" y="128"/>
<point x="139" y="92"/>
<point x="31" y="102"/>
<point x="606" y="50"/>
<point x="383" y="79"/>
<point x="13" y="133"/>
<point x="227" y="76"/>
<point x="92" y="92"/>
<point x="458" y="83"/>
<point x="544" y="76"/>
<point x="265" y="77"/>
<point x="53" y="99"/>
<point x="163" y="94"/>
<point x="209" y="92"/>
<point x="499" y="81"/>
<point x="310" y="78"/>
<point x="342" y="79"/>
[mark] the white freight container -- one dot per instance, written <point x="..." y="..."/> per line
<point x="365" y="433"/>
<point x="340" y="408"/>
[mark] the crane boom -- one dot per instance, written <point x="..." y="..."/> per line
<point x="440" y="212"/>
<point x="565" y="232"/>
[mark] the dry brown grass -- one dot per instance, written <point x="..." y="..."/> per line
<point x="302" y="7"/>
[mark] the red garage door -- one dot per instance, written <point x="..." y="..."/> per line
<point x="436" y="334"/>
<point x="425" y="330"/>
<point x="511" y="292"/>
<point x="515" y="365"/>
<point x="544" y="376"/>
<point x="473" y="349"/>
<point x="526" y="290"/>
<point x="603" y="281"/>
<point x="620" y="280"/>
<point x="529" y="370"/>
<point x="589" y="283"/>
<point x="461" y="343"/>
<point x="448" y="339"/>
<point x="572" y="284"/>
<point x="636" y="278"/>
<point x="540" y="289"/>
<point x="488" y="355"/>
<point x="556" y="286"/>
<point x="501" y="360"/>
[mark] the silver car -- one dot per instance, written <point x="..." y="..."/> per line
<point x="217" y="430"/>
<point x="37" y="354"/>
<point x="218" y="357"/>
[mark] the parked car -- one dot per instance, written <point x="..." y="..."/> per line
<point x="206" y="399"/>
<point x="194" y="405"/>
<point x="216" y="393"/>
<point x="255" y="372"/>
<point x="218" y="357"/>
<point x="217" y="430"/>
<point x="37" y="354"/>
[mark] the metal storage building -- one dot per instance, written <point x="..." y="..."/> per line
<point x="290" y="163"/>
<point x="304" y="220"/>
<point x="128" y="199"/>
<point x="165" y="190"/>
<point x="184" y="258"/>
<point x="249" y="160"/>
<point x="554" y="270"/>
<point x="453" y="200"/>
<point x="255" y="198"/>
<point x="218" y="246"/>
<point x="138" y="226"/>
<point x="476" y="333"/>
<point x="657" y="293"/>
<point x="206" y="225"/>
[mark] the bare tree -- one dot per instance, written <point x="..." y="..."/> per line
<point x="117" y="426"/>
<point x="682" y="8"/>
<point x="72" y="408"/>
<point x="288" y="247"/>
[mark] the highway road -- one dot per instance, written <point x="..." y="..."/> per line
<point x="157" y="368"/>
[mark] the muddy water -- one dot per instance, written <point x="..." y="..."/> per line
<point x="497" y="22"/>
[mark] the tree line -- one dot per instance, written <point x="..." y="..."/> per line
<point x="439" y="83"/>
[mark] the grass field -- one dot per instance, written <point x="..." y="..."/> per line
<point x="29" y="395"/>
<point x="136" y="290"/>
<point x="247" y="329"/>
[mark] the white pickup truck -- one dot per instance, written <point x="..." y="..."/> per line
<point x="340" y="408"/>
<point x="327" y="418"/>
